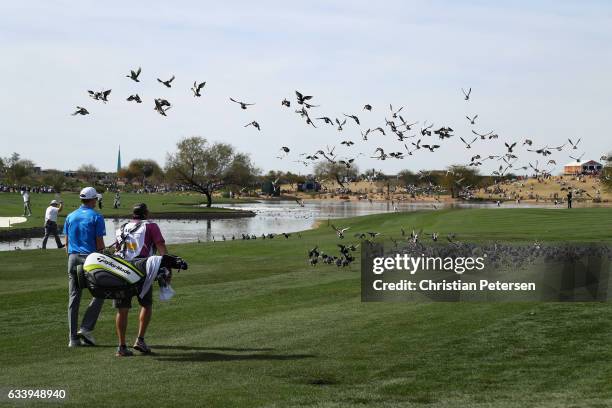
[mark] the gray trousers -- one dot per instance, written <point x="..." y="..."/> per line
<point x="27" y="210"/>
<point x="51" y="229"/>
<point x="74" y="300"/>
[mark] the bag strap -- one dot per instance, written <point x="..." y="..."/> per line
<point x="125" y="234"/>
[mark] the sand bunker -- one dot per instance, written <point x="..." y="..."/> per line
<point x="6" y="222"/>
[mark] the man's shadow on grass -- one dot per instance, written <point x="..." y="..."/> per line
<point x="210" y="354"/>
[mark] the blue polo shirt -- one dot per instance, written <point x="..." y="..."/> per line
<point x="82" y="226"/>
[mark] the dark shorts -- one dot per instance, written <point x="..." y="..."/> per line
<point x="147" y="301"/>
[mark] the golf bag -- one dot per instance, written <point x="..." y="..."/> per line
<point x="111" y="277"/>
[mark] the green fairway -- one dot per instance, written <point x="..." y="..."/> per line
<point x="11" y="205"/>
<point x="254" y="325"/>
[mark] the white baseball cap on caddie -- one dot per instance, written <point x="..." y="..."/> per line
<point x="88" y="193"/>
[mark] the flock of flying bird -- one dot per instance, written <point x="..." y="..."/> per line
<point x="426" y="138"/>
<point x="411" y="140"/>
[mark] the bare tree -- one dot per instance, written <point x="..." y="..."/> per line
<point x="335" y="171"/>
<point x="205" y="167"/>
<point x="89" y="171"/>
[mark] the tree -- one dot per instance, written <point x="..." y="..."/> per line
<point x="293" y="179"/>
<point x="372" y="175"/>
<point x="241" y="172"/>
<point x="205" y="167"/>
<point x="144" y="169"/>
<point x="17" y="169"/>
<point x="125" y="173"/>
<point x="89" y="171"/>
<point x="335" y="171"/>
<point x="55" y="179"/>
<point x="407" y="177"/>
<point x="606" y="174"/>
<point x="457" y="177"/>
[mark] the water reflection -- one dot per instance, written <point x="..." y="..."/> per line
<point x="272" y="217"/>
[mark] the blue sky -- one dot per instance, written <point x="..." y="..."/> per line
<point x="539" y="70"/>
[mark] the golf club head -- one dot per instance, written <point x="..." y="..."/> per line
<point x="173" y="262"/>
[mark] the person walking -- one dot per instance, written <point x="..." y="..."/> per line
<point x="569" y="199"/>
<point x="84" y="229"/>
<point x="51" y="223"/>
<point x="27" y="209"/>
<point x="137" y="239"/>
<point x="117" y="201"/>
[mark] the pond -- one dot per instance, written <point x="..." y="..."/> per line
<point x="271" y="217"/>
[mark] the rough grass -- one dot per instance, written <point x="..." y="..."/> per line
<point x="253" y="325"/>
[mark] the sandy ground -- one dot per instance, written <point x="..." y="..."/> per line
<point x="6" y="222"/>
<point x="530" y="190"/>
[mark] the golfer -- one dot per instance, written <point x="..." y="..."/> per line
<point x="51" y="223"/>
<point x="569" y="199"/>
<point x="137" y="239"/>
<point x="84" y="230"/>
<point x="27" y="209"/>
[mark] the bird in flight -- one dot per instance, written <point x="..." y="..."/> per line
<point x="354" y="117"/>
<point x="100" y="96"/>
<point x="134" y="75"/>
<point x="406" y="124"/>
<point x="431" y="148"/>
<point x="381" y="154"/>
<point x="302" y="98"/>
<point x="135" y="98"/>
<point x="367" y="107"/>
<point x="346" y="163"/>
<point x="466" y="94"/>
<point x="286" y="103"/>
<point x="80" y="111"/>
<point x="340" y="124"/>
<point x="468" y="145"/>
<point x="197" y="88"/>
<point x="472" y="120"/>
<point x="159" y="106"/>
<point x="395" y="113"/>
<point x="326" y="120"/>
<point x="510" y="146"/>
<point x="574" y="145"/>
<point x="426" y="130"/>
<point x="168" y="83"/>
<point x="243" y="105"/>
<point x="578" y="159"/>
<point x="483" y="136"/>
<point x="340" y="231"/>
<point x="379" y="129"/>
<point x="254" y="124"/>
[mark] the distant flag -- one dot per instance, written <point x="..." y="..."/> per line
<point x="119" y="159"/>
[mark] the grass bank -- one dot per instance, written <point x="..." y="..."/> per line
<point x="253" y="325"/>
<point x="160" y="205"/>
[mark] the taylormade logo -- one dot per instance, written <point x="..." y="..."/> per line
<point x="412" y="265"/>
<point x="114" y="265"/>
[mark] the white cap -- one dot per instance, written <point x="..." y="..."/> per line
<point x="88" y="193"/>
<point x="53" y="202"/>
